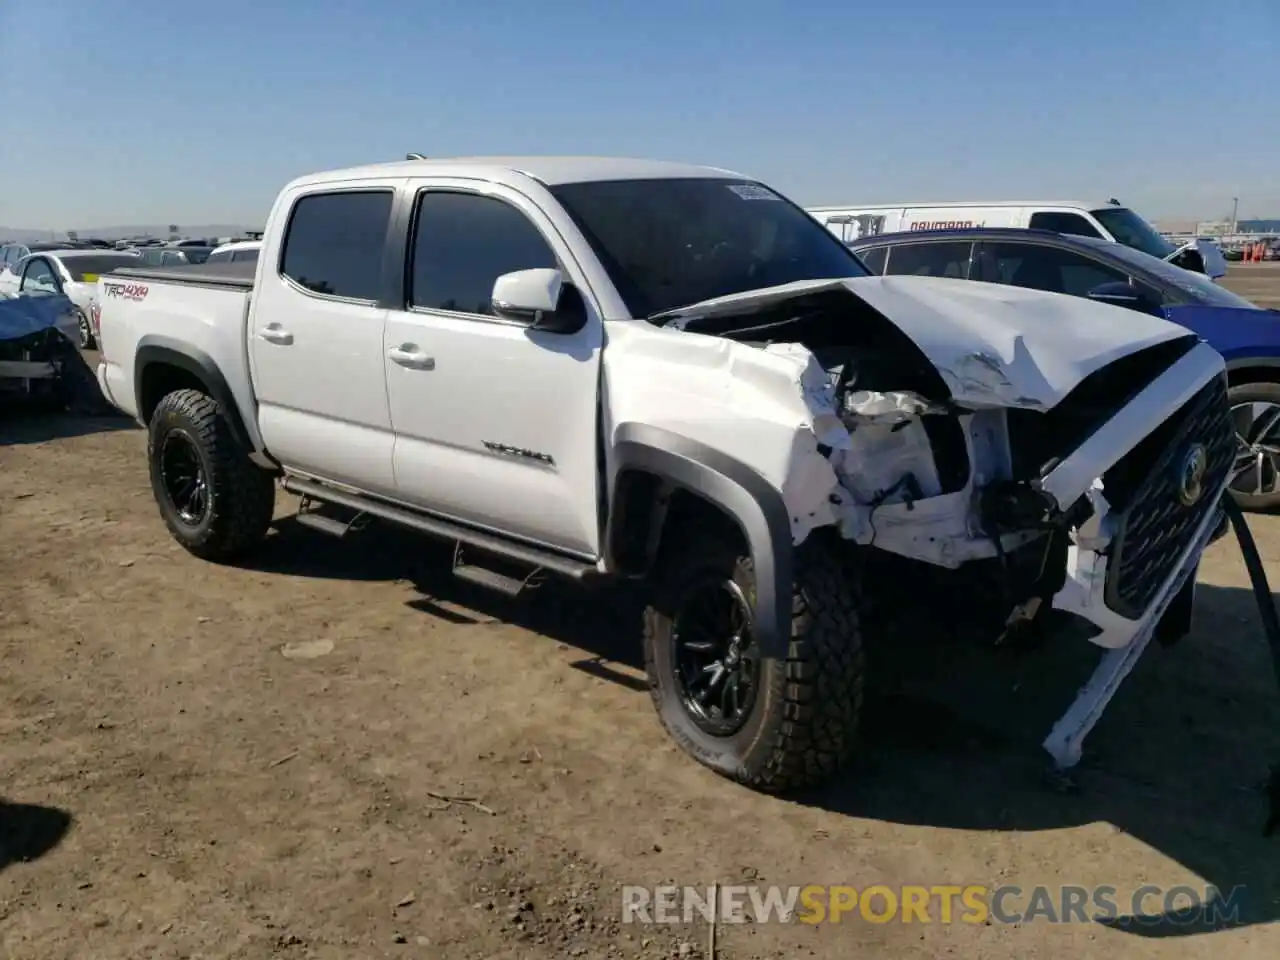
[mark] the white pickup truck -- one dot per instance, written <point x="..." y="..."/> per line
<point x="603" y="369"/>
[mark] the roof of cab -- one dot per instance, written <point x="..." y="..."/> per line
<point x="546" y="170"/>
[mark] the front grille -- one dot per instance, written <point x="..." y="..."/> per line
<point x="1155" y="526"/>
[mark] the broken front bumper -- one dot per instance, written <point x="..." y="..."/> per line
<point x="1126" y="567"/>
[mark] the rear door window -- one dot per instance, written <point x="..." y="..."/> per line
<point x="335" y="243"/>
<point x="1059" y="222"/>
<point x="944" y="258"/>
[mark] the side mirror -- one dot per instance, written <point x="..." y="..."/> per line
<point x="1121" y="294"/>
<point x="539" y="298"/>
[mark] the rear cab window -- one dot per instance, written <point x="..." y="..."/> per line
<point x="335" y="242"/>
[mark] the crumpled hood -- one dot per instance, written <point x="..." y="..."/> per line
<point x="994" y="345"/>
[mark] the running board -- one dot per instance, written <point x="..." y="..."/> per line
<point x="322" y="523"/>
<point x="310" y="514"/>
<point x="522" y="553"/>
<point x="508" y="582"/>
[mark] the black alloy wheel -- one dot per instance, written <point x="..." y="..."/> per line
<point x="183" y="478"/>
<point x="716" y="660"/>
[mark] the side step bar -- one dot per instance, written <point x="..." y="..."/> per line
<point x="445" y="529"/>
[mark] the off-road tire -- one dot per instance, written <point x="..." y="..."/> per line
<point x="241" y="494"/>
<point x="1255" y="393"/>
<point x="804" y="722"/>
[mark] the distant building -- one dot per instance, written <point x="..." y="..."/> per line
<point x="1213" y="228"/>
<point x="1260" y="226"/>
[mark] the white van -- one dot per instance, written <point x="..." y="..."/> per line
<point x="1108" y="220"/>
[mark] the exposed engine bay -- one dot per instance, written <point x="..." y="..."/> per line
<point x="952" y="495"/>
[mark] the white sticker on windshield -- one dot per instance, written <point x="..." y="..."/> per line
<point x="753" y="191"/>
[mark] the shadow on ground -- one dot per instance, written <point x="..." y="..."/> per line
<point x="1179" y="761"/>
<point x="28" y="832"/>
<point x="28" y="424"/>
<point x="951" y="734"/>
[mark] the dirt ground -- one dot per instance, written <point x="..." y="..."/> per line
<point x="271" y="760"/>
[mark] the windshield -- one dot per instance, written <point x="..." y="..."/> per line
<point x="86" y="269"/>
<point x="1131" y="230"/>
<point x="667" y="243"/>
<point x="1195" y="286"/>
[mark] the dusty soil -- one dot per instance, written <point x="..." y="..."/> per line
<point x="205" y="761"/>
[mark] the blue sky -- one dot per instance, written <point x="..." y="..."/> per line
<point x="199" y="112"/>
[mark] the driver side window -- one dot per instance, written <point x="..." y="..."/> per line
<point x="462" y="243"/>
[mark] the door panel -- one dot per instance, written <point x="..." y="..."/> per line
<point x="315" y="339"/>
<point x="499" y="428"/>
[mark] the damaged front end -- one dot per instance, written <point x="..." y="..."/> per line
<point x="1016" y="476"/>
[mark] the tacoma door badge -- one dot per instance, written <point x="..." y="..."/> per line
<point x="510" y="451"/>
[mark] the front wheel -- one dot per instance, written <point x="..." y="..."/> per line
<point x="1255" y="412"/>
<point x="773" y="724"/>
<point x="215" y="501"/>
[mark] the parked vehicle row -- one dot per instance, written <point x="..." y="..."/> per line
<point x="1108" y="220"/>
<point x="619" y="370"/>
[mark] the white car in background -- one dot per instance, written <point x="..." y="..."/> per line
<point x="71" y="273"/>
<point x="239" y="251"/>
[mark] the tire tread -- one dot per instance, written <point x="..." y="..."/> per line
<point x="242" y="494"/>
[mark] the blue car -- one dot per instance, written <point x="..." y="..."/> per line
<point x="1248" y="336"/>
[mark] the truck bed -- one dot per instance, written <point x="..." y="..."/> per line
<point x="237" y="275"/>
<point x="203" y="308"/>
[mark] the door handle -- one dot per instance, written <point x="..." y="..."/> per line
<point x="274" y="333"/>
<point x="408" y="355"/>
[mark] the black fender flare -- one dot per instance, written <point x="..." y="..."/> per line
<point x="156" y="349"/>
<point x="744" y="495"/>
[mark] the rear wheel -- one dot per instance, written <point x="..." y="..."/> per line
<point x="774" y="724"/>
<point x="1255" y="411"/>
<point x="215" y="501"/>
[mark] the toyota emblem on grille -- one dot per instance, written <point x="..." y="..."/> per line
<point x="1191" y="475"/>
